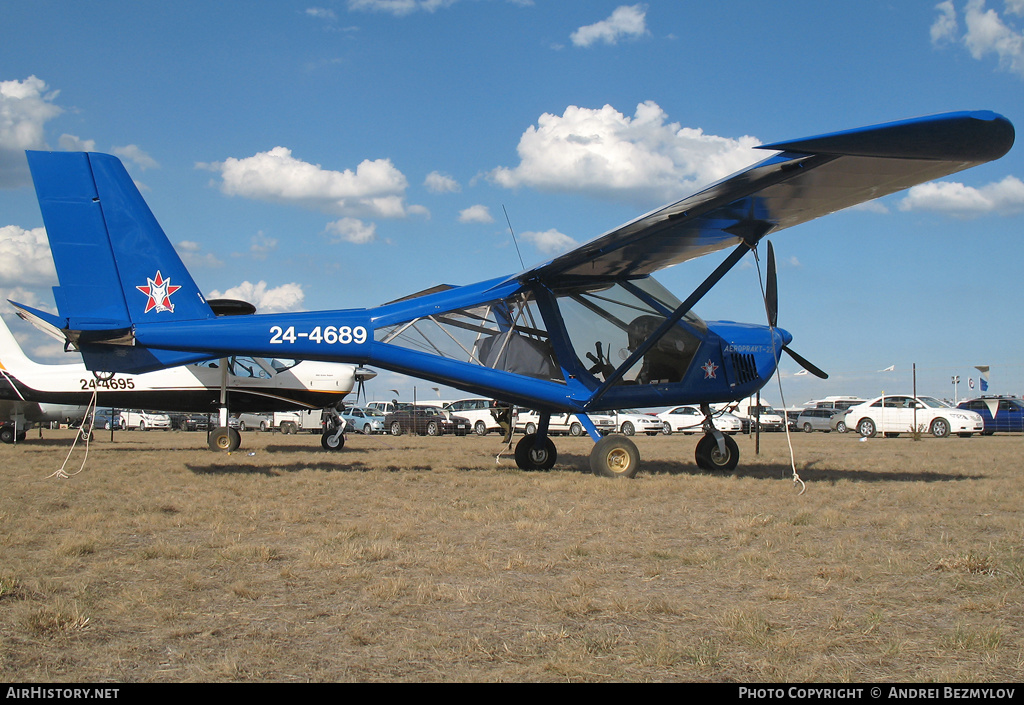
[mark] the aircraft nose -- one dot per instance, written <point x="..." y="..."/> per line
<point x="784" y="336"/>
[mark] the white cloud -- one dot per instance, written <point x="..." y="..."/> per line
<point x="436" y="182"/>
<point x="1005" y="197"/>
<point x="191" y="253"/>
<point x="72" y="143"/>
<point x="25" y="106"/>
<point x="476" y="214"/>
<point x="550" y="242"/>
<point x="945" y="28"/>
<point x="25" y="258"/>
<point x="352" y="230"/>
<point x="399" y="7"/>
<point x="280" y="299"/>
<point x="605" y="153"/>
<point x="136" y="155"/>
<point x="262" y="245"/>
<point x="626" y="21"/>
<point x="986" y="32"/>
<point x="321" y="13"/>
<point x="376" y="188"/>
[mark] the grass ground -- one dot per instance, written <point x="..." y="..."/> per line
<point x="421" y="559"/>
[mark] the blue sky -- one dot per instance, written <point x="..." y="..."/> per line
<point x="335" y="154"/>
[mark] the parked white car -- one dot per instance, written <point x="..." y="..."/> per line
<point x="630" y="421"/>
<point x="144" y="420"/>
<point x="477" y="410"/>
<point x="690" y="419"/>
<point x="528" y="421"/>
<point x="894" y="414"/>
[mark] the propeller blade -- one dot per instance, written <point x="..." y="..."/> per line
<point x="771" y="296"/>
<point x="805" y="364"/>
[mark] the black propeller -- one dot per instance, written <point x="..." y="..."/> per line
<point x="771" y="304"/>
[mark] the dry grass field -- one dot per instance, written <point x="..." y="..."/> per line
<point x="420" y="559"/>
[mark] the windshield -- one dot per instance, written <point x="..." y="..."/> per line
<point x="933" y="403"/>
<point x="606" y="322"/>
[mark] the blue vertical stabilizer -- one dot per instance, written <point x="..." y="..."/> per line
<point x="115" y="264"/>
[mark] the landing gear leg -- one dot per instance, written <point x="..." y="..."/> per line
<point x="716" y="451"/>
<point x="333" y="437"/>
<point x="535" y="451"/>
<point x="223" y="437"/>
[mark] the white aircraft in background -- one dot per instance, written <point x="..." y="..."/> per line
<point x="31" y="392"/>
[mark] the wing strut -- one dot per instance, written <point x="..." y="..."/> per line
<point x="734" y="257"/>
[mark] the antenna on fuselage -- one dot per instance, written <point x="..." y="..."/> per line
<point x="514" y="241"/>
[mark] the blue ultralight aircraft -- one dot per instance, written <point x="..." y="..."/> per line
<point x="590" y="330"/>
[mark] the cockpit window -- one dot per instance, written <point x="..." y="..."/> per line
<point x="507" y="334"/>
<point x="606" y="323"/>
<point x="251" y="367"/>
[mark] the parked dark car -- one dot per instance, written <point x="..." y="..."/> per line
<point x="105" y="418"/>
<point x="195" y="422"/>
<point x="1000" y="413"/>
<point x="425" y="421"/>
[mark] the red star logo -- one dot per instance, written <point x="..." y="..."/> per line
<point x="709" y="370"/>
<point x="159" y="292"/>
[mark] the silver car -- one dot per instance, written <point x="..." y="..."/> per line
<point x="811" y="420"/>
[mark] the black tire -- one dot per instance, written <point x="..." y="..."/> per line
<point x="263" y="426"/>
<point x="224" y="439"/>
<point x="330" y="440"/>
<point x="709" y="457"/>
<point x="434" y="429"/>
<point x="241" y="426"/>
<point x="940" y="428"/>
<point x="142" y="425"/>
<point x="841" y="427"/>
<point x="666" y="429"/>
<point x="367" y="429"/>
<point x="396" y="428"/>
<point x="576" y="429"/>
<point x="480" y="428"/>
<point x="541" y="457"/>
<point x="628" y="429"/>
<point x="807" y="427"/>
<point x="7" y="434"/>
<point x="531" y="428"/>
<point x="867" y="428"/>
<point x="615" y="456"/>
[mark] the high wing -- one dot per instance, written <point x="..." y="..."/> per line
<point x="806" y="179"/>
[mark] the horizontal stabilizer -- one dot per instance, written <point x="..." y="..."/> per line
<point x="76" y="333"/>
<point x="135" y="359"/>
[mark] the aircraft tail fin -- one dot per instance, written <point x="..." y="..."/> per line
<point x="115" y="264"/>
<point x="12" y="357"/>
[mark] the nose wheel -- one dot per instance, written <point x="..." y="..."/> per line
<point x="717" y="455"/>
<point x="534" y="452"/>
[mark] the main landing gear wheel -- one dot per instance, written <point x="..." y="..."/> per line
<point x="225" y="439"/>
<point x="534" y="453"/>
<point x="332" y="439"/>
<point x="710" y="457"/>
<point x="615" y="456"/>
